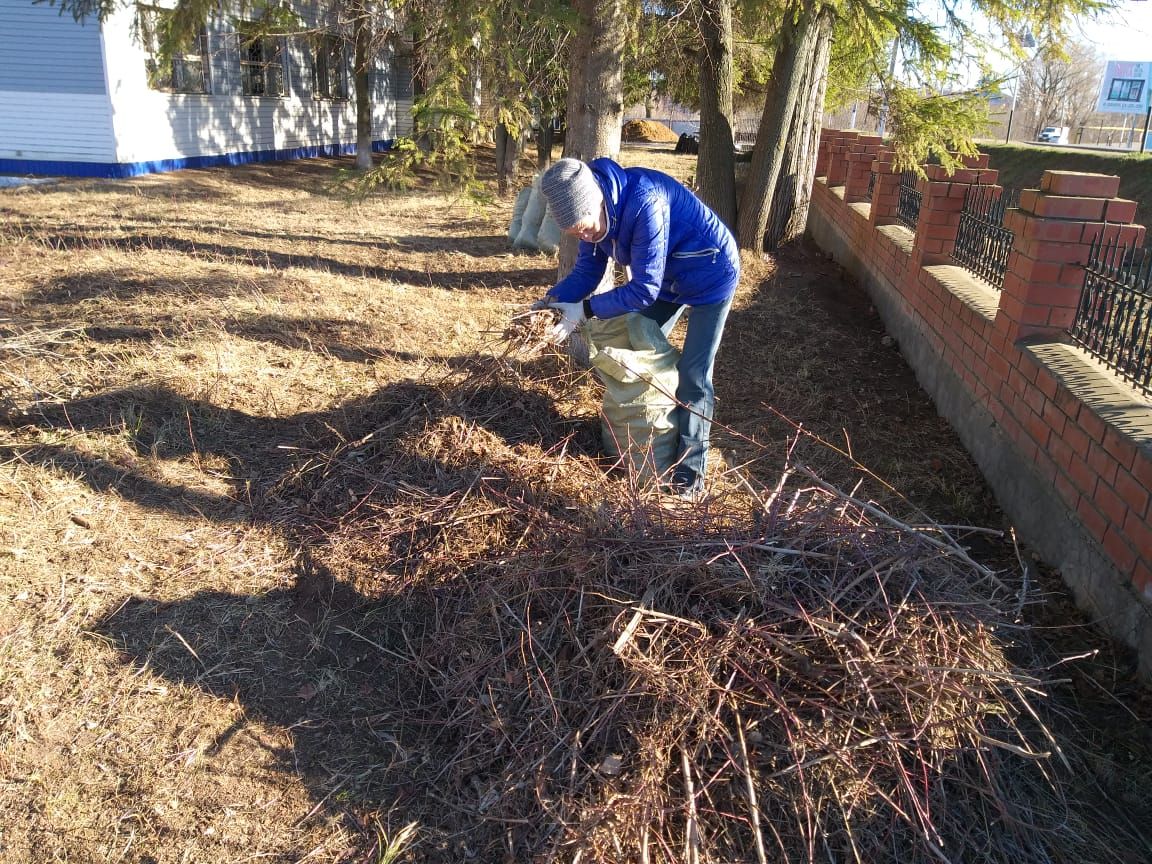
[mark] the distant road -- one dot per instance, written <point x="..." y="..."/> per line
<point x="1096" y="148"/>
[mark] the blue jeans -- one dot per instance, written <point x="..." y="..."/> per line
<point x="694" y="393"/>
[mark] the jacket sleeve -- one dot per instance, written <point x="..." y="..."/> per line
<point x="591" y="262"/>
<point x="649" y="254"/>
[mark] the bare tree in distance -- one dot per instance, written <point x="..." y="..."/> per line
<point x="928" y="115"/>
<point x="1060" y="90"/>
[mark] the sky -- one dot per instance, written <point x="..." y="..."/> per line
<point x="1125" y="34"/>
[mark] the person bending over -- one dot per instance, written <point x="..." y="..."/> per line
<point x="681" y="257"/>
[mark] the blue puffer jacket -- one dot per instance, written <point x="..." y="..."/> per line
<point x="678" y="249"/>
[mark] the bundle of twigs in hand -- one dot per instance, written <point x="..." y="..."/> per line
<point x="594" y="677"/>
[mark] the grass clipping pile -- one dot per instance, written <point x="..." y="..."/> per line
<point x="594" y="676"/>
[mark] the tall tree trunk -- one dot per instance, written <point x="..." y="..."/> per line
<point x="797" y="46"/>
<point x="362" y="37"/>
<point x="716" y="161"/>
<point x="545" y="138"/>
<point x="794" y="189"/>
<point x="595" y="111"/>
<point x="501" y="140"/>
<point x="507" y="151"/>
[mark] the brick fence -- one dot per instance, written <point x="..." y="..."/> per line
<point x="1065" y="444"/>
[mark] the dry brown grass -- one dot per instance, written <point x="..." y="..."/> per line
<point x="291" y="556"/>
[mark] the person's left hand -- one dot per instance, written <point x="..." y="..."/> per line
<point x="572" y="317"/>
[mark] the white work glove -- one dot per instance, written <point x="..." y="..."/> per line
<point x="572" y="318"/>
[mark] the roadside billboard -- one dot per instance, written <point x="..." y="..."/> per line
<point x="1126" y="87"/>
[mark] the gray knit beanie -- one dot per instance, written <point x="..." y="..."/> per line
<point x="572" y="192"/>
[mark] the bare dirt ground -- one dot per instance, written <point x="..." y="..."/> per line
<point x="188" y="674"/>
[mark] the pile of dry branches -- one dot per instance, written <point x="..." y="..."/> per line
<point x="591" y="675"/>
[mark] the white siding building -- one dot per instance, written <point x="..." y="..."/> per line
<point x="92" y="99"/>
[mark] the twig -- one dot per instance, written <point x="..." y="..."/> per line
<point x="950" y="548"/>
<point x="188" y="647"/>
<point x="375" y="645"/>
<point x="637" y="616"/>
<point x="1023" y="596"/>
<point x="691" y="831"/>
<point x="750" y="789"/>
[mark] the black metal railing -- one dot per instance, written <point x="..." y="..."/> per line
<point x="871" y="186"/>
<point x="261" y="79"/>
<point x="1114" y="317"/>
<point x="982" y="242"/>
<point x="908" y="205"/>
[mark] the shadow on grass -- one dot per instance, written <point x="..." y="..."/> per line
<point x="315" y="335"/>
<point x="71" y="289"/>
<point x="334" y="670"/>
<point x="309" y="658"/>
<point x="468" y="245"/>
<point x="161" y="425"/>
<point x="322" y="660"/>
<point x="174" y="316"/>
<point x="328" y="664"/>
<point x="128" y="236"/>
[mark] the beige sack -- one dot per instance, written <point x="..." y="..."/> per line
<point x="518" y="213"/>
<point x="548" y="240"/>
<point x="638" y="368"/>
<point x="533" y="216"/>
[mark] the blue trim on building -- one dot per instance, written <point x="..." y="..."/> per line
<point x="120" y="170"/>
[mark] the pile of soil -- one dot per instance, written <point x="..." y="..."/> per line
<point x="651" y="131"/>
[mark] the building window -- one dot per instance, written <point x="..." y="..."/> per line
<point x="261" y="63"/>
<point x="1126" y="90"/>
<point x="329" y="69"/>
<point x="185" y="69"/>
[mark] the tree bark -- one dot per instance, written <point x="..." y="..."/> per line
<point x="595" y="109"/>
<point x="505" y="157"/>
<point x="795" y="55"/>
<point x="362" y="38"/>
<point x="794" y="189"/>
<point x="545" y="138"/>
<point x="716" y="160"/>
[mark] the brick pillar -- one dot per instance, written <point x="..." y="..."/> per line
<point x="860" y="160"/>
<point x="941" y="203"/>
<point x="886" y="192"/>
<point x="838" y="158"/>
<point x="1054" y="228"/>
<point x="827" y="136"/>
<point x="980" y="160"/>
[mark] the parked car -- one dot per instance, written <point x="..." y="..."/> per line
<point x="1053" y="135"/>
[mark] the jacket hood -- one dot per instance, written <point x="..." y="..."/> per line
<point x="613" y="181"/>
